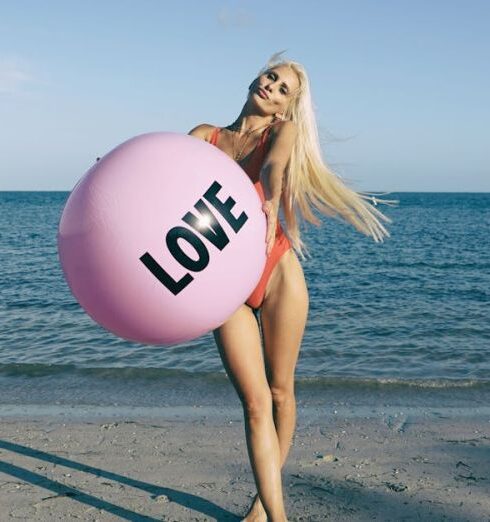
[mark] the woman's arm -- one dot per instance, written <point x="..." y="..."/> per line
<point x="272" y="173"/>
<point x="283" y="137"/>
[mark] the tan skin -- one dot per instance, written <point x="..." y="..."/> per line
<point x="264" y="379"/>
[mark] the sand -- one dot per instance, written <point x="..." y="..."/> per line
<point x="191" y="464"/>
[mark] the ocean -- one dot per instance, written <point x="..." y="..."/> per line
<point x="411" y="313"/>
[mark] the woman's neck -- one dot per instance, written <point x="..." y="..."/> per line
<point x="248" y="122"/>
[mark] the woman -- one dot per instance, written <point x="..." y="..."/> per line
<point x="275" y="140"/>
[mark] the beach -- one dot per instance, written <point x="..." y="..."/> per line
<point x="354" y="461"/>
<point x="392" y="386"/>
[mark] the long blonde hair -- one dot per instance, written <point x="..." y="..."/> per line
<point x="309" y="182"/>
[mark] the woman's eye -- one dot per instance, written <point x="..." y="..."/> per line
<point x="273" y="77"/>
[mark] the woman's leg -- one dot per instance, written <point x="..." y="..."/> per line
<point x="283" y="317"/>
<point x="239" y="345"/>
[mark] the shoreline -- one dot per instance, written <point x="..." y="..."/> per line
<point x="126" y="388"/>
<point x="306" y="416"/>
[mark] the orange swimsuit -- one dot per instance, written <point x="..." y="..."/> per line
<point x="281" y="244"/>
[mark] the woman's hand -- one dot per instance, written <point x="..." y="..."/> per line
<point x="271" y="210"/>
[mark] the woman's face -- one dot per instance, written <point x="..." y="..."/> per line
<point x="274" y="89"/>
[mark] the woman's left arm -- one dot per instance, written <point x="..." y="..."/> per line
<point x="272" y="172"/>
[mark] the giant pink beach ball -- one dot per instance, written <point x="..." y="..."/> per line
<point x="162" y="239"/>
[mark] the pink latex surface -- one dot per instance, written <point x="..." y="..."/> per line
<point x="124" y="206"/>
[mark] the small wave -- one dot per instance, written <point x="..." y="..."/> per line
<point x="45" y="370"/>
<point x="154" y="374"/>
<point x="386" y="382"/>
<point x="441" y="266"/>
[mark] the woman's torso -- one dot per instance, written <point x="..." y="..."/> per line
<point x="252" y="164"/>
<point x="254" y="159"/>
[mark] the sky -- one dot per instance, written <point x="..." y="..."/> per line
<point x="400" y="88"/>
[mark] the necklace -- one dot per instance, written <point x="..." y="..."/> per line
<point x="248" y="133"/>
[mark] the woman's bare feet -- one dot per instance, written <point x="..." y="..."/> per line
<point x="256" y="512"/>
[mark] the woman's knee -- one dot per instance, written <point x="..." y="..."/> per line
<point x="283" y="394"/>
<point x="258" y="404"/>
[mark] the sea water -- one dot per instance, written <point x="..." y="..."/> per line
<point x="409" y="313"/>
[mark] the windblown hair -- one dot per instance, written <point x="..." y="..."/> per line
<point x="309" y="182"/>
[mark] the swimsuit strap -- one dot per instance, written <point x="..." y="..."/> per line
<point x="214" y="136"/>
<point x="265" y="134"/>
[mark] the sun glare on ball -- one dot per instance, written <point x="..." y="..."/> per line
<point x="204" y="222"/>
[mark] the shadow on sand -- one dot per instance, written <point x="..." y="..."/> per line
<point x="184" y="499"/>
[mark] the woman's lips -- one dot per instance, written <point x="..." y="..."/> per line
<point x="262" y="93"/>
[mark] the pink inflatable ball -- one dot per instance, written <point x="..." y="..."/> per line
<point x="162" y="239"/>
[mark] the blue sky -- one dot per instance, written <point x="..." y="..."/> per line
<point x="400" y="87"/>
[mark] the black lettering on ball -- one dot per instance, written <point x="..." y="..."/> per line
<point x="196" y="265"/>
<point x="213" y="231"/>
<point x="224" y="208"/>
<point x="163" y="276"/>
<point x="207" y="226"/>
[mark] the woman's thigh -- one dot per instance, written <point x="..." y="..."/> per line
<point x="283" y="318"/>
<point x="240" y="349"/>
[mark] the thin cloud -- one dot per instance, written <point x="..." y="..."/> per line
<point x="14" y="76"/>
<point x="238" y="17"/>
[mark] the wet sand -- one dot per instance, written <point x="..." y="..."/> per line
<point x="191" y="464"/>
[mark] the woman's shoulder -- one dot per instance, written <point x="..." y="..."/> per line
<point x="203" y="131"/>
<point x="287" y="129"/>
<point x="283" y="126"/>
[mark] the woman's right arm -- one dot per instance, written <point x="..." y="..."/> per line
<point x="202" y="131"/>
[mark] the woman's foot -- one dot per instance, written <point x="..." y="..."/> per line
<point x="256" y="512"/>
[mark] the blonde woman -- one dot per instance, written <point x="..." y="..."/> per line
<point x="275" y="140"/>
